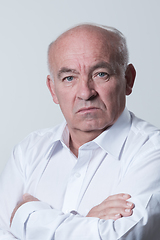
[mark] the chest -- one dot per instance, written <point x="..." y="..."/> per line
<point x="67" y="183"/>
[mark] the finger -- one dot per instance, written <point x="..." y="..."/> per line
<point x="112" y="217"/>
<point x="13" y="213"/>
<point x="116" y="216"/>
<point x="29" y="198"/>
<point x="118" y="203"/>
<point x="125" y="212"/>
<point x="11" y="219"/>
<point x="115" y="213"/>
<point x="123" y="196"/>
<point x="26" y="196"/>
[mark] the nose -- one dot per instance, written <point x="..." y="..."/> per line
<point x="86" y="90"/>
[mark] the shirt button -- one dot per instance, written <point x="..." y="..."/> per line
<point x="77" y="174"/>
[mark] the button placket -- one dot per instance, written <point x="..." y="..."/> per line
<point x="76" y="181"/>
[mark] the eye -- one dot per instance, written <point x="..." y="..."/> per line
<point x="68" y="79"/>
<point x="103" y="74"/>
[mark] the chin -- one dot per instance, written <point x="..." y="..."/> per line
<point x="93" y="127"/>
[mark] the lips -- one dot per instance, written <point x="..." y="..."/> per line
<point x="87" y="109"/>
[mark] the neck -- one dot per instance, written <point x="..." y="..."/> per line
<point x="78" y="138"/>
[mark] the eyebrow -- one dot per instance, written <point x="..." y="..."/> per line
<point x="66" y="70"/>
<point x="101" y="64"/>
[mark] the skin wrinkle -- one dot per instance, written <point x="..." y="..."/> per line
<point x="115" y="41"/>
<point x="101" y="65"/>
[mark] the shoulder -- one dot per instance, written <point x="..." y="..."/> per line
<point x="142" y="143"/>
<point x="145" y="132"/>
<point x="41" y="138"/>
<point x="142" y="147"/>
<point x="36" y="147"/>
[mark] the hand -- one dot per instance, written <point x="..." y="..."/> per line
<point x="114" y="207"/>
<point x="26" y="198"/>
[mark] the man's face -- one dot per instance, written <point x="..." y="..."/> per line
<point x="88" y="86"/>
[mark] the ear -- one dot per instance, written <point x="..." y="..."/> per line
<point x="51" y="87"/>
<point x="130" y="75"/>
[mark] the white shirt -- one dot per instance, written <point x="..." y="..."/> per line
<point x="123" y="159"/>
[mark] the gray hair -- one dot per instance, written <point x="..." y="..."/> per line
<point x="117" y="43"/>
<point x="119" y="47"/>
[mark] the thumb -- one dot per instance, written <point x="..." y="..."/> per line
<point x="26" y="196"/>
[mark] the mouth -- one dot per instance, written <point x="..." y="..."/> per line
<point x="87" y="110"/>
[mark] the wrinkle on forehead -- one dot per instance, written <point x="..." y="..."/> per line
<point x="81" y="42"/>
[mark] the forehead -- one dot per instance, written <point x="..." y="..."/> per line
<point x="81" y="47"/>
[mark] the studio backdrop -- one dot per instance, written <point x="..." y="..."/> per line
<point x="26" y="29"/>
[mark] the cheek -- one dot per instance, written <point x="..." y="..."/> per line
<point x="65" y="102"/>
<point x="113" y="95"/>
<point x="120" y="98"/>
<point x="60" y="94"/>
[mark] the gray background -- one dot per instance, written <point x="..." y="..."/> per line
<point x="26" y="29"/>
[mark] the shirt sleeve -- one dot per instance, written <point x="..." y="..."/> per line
<point x="39" y="221"/>
<point x="11" y="191"/>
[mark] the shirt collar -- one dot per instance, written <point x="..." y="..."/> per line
<point x="111" y="140"/>
<point x="58" y="133"/>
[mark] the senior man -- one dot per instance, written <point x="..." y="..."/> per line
<point x="96" y="176"/>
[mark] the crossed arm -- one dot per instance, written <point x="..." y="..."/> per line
<point x="37" y="220"/>
<point x="113" y="207"/>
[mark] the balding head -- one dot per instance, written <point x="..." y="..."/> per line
<point x="114" y="42"/>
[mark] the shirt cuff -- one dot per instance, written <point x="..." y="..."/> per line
<point x="22" y="214"/>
